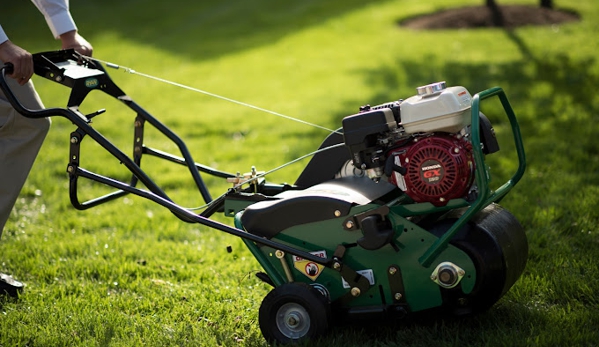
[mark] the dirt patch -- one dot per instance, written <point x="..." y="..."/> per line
<point x="510" y="16"/>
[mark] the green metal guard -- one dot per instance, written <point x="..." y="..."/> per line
<point x="485" y="196"/>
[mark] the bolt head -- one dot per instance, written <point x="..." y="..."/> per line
<point x="355" y="291"/>
<point x="398" y="296"/>
<point x="292" y="320"/>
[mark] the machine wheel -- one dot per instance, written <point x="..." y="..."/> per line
<point x="497" y="244"/>
<point x="292" y="313"/>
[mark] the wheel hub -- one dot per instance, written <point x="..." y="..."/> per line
<point x="293" y="320"/>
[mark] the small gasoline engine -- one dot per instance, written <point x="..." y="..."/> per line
<point x="421" y="145"/>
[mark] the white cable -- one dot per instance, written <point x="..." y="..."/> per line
<point x="131" y="71"/>
<point x="239" y="185"/>
<point x="287" y="164"/>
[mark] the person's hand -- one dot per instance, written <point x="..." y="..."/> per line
<point x="20" y="59"/>
<point x="72" y="39"/>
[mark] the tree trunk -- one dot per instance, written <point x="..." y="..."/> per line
<point x="544" y="3"/>
<point x="496" y="15"/>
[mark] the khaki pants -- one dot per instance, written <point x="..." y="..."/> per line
<point x="20" y="141"/>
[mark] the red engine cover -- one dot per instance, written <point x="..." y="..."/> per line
<point x="439" y="168"/>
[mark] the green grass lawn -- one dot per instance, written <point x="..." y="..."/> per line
<point x="130" y="273"/>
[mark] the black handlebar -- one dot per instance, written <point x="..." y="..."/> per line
<point x="8" y="68"/>
<point x="69" y="68"/>
<point x="10" y="96"/>
<point x="82" y="75"/>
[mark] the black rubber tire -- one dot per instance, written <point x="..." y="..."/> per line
<point x="294" y="313"/>
<point x="497" y="244"/>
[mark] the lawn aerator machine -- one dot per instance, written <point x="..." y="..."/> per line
<point x="392" y="216"/>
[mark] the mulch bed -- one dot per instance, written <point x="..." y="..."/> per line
<point x="509" y="16"/>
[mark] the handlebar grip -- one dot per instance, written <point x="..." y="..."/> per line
<point x="8" y="68"/>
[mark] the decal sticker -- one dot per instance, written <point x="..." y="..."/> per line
<point x="368" y="273"/>
<point x="465" y="97"/>
<point x="431" y="172"/>
<point x="309" y="268"/>
<point x="91" y="83"/>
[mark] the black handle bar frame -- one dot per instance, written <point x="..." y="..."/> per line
<point x="83" y="74"/>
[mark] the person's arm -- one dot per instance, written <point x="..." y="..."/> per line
<point x="18" y="57"/>
<point x="62" y="25"/>
<point x="57" y="15"/>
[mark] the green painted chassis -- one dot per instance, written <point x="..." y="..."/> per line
<point x="419" y="250"/>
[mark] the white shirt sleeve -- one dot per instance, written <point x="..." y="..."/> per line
<point x="57" y="15"/>
<point x="3" y="37"/>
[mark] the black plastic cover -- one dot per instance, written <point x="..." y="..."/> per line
<point x="317" y="203"/>
<point x="326" y="164"/>
<point x="358" y="128"/>
<point x="487" y="135"/>
<point x="361" y="131"/>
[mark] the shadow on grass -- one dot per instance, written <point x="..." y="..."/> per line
<point x="561" y="75"/>
<point x="503" y="325"/>
<point x="197" y="30"/>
